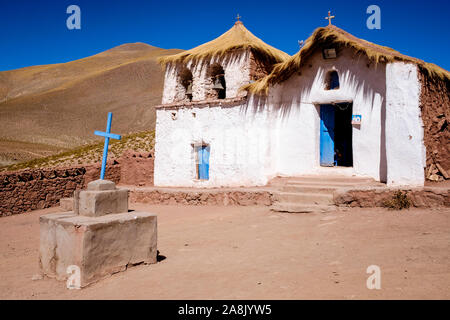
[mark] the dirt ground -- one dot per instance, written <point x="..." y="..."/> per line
<point x="253" y="253"/>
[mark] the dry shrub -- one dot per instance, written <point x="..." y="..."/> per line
<point x="398" y="201"/>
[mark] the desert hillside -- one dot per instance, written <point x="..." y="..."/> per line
<point x="51" y="108"/>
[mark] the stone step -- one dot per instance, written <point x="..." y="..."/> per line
<point x="323" y="180"/>
<point x="307" y="188"/>
<point x="304" y="198"/>
<point x="322" y="184"/>
<point x="300" y="208"/>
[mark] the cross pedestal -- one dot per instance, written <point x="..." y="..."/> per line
<point x="99" y="237"/>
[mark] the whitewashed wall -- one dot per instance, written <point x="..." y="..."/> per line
<point x="298" y="100"/>
<point x="237" y="73"/>
<point x="250" y="144"/>
<point x="239" y="141"/>
<point x="406" y="153"/>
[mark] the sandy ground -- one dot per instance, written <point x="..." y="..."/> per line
<point x="252" y="253"/>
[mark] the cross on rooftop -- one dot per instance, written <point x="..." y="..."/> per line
<point x="107" y="136"/>
<point x="238" y="17"/>
<point x="329" y="18"/>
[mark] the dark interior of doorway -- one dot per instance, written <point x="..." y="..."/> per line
<point x="343" y="135"/>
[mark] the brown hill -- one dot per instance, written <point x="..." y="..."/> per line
<point x="51" y="108"/>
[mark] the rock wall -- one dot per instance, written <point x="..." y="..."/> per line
<point x="136" y="168"/>
<point x="259" y="67"/>
<point x="435" y="107"/>
<point x="201" y="198"/>
<point x="26" y="190"/>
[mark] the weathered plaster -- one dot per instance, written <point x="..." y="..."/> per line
<point x="297" y="104"/>
<point x="239" y="140"/>
<point x="405" y="149"/>
<point x="279" y="135"/>
<point x="237" y="73"/>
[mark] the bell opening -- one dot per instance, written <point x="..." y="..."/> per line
<point x="217" y="75"/>
<point x="186" y="82"/>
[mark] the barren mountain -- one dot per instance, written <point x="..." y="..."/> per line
<point x="51" y="108"/>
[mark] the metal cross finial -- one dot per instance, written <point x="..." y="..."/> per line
<point x="107" y="136"/>
<point x="329" y="18"/>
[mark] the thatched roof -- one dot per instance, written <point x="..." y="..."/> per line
<point x="238" y="37"/>
<point x="332" y="35"/>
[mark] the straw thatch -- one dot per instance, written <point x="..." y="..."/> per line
<point x="238" y="37"/>
<point x="332" y="35"/>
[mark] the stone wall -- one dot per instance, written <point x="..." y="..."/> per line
<point x="136" y="168"/>
<point x="26" y="190"/>
<point x="259" y="66"/>
<point x="426" y="197"/>
<point x="435" y="107"/>
<point x="217" y="197"/>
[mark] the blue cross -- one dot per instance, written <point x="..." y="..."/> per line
<point x="107" y="135"/>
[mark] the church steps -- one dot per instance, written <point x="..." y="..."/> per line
<point x="304" y="198"/>
<point x="307" y="188"/>
<point x="323" y="180"/>
<point x="300" y="208"/>
<point x="311" y="193"/>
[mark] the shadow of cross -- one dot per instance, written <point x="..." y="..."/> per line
<point x="107" y="136"/>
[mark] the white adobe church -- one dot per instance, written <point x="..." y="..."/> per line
<point x="237" y="112"/>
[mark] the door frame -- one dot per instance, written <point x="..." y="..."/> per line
<point x="317" y="104"/>
<point x="327" y="141"/>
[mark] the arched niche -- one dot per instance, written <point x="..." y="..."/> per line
<point x="332" y="80"/>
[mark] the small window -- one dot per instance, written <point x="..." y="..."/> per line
<point x="329" y="53"/>
<point x="332" y="81"/>
<point x="202" y="162"/>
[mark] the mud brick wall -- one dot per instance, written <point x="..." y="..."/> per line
<point x="259" y="66"/>
<point x="435" y="106"/>
<point x="136" y="168"/>
<point x="26" y="190"/>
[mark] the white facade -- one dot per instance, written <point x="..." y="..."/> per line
<point x="406" y="153"/>
<point x="253" y="141"/>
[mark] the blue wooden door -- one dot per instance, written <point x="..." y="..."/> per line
<point x="203" y="162"/>
<point x="327" y="135"/>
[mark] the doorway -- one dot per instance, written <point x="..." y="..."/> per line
<point x="336" y="135"/>
<point x="202" y="166"/>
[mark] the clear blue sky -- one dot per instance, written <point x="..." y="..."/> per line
<point x="34" y="32"/>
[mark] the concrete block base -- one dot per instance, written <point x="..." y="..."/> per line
<point x="99" y="246"/>
<point x="66" y="204"/>
<point x="101" y="197"/>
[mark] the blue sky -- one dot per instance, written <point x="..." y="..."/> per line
<point x="34" y="32"/>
